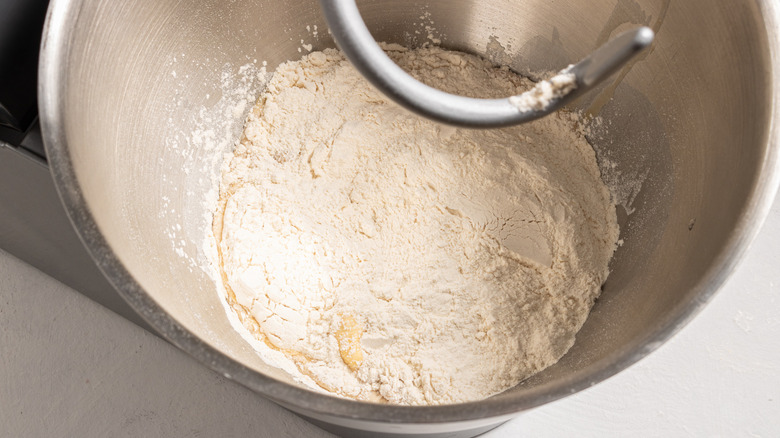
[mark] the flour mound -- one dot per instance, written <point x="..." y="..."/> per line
<point x="395" y="259"/>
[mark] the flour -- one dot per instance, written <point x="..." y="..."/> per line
<point x="545" y="92"/>
<point x="394" y="259"/>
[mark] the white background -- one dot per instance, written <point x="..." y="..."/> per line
<point x="71" y="368"/>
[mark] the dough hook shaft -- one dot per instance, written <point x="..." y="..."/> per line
<point x="354" y="39"/>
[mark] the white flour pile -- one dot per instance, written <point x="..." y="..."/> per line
<point x="395" y="259"/>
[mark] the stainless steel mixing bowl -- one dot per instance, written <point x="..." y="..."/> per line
<point x="135" y="101"/>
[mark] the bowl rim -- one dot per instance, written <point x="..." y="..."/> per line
<point x="55" y="47"/>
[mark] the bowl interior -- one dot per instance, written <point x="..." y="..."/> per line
<point x="154" y="92"/>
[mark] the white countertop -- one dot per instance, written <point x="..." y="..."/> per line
<point x="71" y="368"/>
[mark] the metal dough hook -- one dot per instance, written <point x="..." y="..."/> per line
<point x="351" y="34"/>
